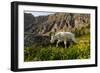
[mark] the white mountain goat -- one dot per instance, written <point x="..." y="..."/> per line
<point x="63" y="37"/>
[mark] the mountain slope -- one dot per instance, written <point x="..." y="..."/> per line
<point x="42" y="26"/>
<point x="58" y="21"/>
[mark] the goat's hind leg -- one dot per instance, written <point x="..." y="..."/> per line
<point x="65" y="44"/>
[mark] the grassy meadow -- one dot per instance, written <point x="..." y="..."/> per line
<point x="81" y="50"/>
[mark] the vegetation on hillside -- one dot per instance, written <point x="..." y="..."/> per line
<point x="38" y="47"/>
<point x="81" y="50"/>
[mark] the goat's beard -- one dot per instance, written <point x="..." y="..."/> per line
<point x="51" y="41"/>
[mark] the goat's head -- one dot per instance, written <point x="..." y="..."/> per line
<point x="52" y="39"/>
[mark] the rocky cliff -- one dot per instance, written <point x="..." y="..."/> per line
<point x="44" y="25"/>
<point x="57" y="21"/>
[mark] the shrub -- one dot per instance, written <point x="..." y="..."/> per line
<point x="81" y="50"/>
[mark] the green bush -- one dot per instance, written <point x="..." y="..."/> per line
<point x="81" y="50"/>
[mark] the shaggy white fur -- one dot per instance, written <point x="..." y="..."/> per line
<point x="63" y="36"/>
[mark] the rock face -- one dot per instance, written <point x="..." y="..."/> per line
<point x="29" y="21"/>
<point x="58" y="21"/>
<point x="44" y="25"/>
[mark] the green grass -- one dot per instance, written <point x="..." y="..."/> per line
<point x="81" y="50"/>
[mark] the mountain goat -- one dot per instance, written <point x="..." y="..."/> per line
<point x="63" y="37"/>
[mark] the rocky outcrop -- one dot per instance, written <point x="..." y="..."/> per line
<point x="43" y="25"/>
<point x="58" y="21"/>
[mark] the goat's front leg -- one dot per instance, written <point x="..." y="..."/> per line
<point x="65" y="44"/>
<point x="57" y="43"/>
